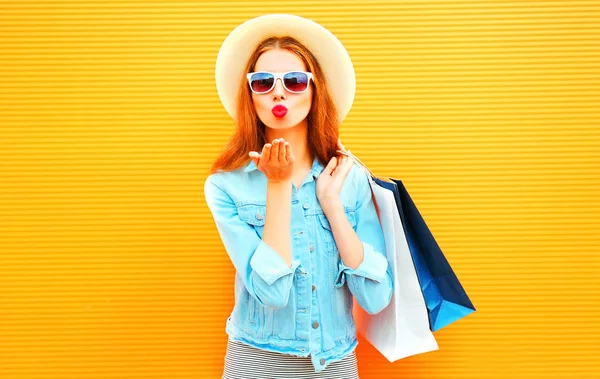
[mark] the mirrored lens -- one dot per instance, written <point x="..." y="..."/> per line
<point x="262" y="82"/>
<point x="295" y="81"/>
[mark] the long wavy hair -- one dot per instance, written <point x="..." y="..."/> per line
<point x="323" y="124"/>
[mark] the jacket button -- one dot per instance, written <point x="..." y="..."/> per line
<point x="306" y="206"/>
<point x="311" y="247"/>
<point x="315" y="325"/>
<point x="313" y="287"/>
<point x="259" y="216"/>
<point x="322" y="361"/>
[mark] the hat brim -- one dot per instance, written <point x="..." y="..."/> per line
<point x="326" y="47"/>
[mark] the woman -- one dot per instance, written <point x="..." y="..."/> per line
<point x="297" y="221"/>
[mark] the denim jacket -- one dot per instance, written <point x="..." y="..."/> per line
<point x="305" y="310"/>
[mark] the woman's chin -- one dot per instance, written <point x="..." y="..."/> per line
<point x="280" y="123"/>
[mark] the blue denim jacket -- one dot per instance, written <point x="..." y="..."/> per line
<point x="305" y="310"/>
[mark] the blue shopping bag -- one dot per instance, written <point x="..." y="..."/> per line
<point x="445" y="297"/>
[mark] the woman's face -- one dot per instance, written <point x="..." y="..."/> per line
<point x="297" y="104"/>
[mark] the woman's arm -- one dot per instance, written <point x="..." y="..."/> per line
<point x="278" y="221"/>
<point x="266" y="275"/>
<point x="364" y="262"/>
<point x="346" y="239"/>
<point x="264" y="264"/>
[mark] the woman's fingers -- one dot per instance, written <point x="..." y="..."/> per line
<point x="276" y="160"/>
<point x="330" y="166"/>
<point x="255" y="157"/>
<point x="340" y="162"/>
<point x="282" y="147"/>
<point x="275" y="150"/>
<point x="291" y="157"/>
<point x="266" y="152"/>
<point x="342" y="168"/>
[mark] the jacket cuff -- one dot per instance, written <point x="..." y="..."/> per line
<point x="374" y="266"/>
<point x="269" y="265"/>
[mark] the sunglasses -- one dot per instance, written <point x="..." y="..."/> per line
<point x="293" y="81"/>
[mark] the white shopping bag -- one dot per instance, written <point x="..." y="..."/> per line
<point x="402" y="328"/>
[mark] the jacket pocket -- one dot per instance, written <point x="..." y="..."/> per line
<point x="254" y="214"/>
<point x="327" y="234"/>
<point x="252" y="311"/>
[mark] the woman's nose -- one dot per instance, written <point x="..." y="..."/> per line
<point x="278" y="91"/>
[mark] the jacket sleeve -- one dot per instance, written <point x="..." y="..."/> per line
<point x="371" y="282"/>
<point x="265" y="273"/>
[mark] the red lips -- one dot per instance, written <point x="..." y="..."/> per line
<point x="279" y="110"/>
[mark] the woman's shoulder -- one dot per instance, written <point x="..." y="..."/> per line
<point x="359" y="175"/>
<point x="238" y="185"/>
<point x="222" y="177"/>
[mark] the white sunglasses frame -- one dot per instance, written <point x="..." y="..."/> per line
<point x="278" y="76"/>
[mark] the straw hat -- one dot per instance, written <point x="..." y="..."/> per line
<point x="329" y="51"/>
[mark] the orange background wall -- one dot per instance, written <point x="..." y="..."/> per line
<point x="110" y="265"/>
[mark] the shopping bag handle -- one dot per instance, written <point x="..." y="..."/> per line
<point x="357" y="160"/>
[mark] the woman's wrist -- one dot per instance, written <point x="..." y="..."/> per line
<point x="279" y="183"/>
<point x="331" y="206"/>
<point x="279" y="189"/>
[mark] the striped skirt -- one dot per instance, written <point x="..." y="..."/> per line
<point x="247" y="362"/>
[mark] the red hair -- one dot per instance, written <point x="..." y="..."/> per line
<point x="323" y="125"/>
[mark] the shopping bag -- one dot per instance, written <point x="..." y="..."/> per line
<point x="402" y="328"/>
<point x="444" y="295"/>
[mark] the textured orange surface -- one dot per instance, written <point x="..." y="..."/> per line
<point x="110" y="265"/>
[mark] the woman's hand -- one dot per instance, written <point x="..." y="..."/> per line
<point x="276" y="160"/>
<point x="329" y="183"/>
